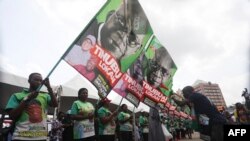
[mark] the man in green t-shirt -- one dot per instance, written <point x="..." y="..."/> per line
<point x="29" y="110"/>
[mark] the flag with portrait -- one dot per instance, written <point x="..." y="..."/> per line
<point x="130" y="85"/>
<point x="158" y="69"/>
<point x="149" y="77"/>
<point x="110" y="43"/>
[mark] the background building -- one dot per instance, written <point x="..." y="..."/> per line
<point x="212" y="91"/>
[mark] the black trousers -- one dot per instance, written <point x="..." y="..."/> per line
<point x="86" y="139"/>
<point x="106" y="137"/>
<point x="217" y="132"/>
<point x="145" y="136"/>
<point x="126" y="136"/>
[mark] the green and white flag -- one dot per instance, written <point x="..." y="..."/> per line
<point x="110" y="43"/>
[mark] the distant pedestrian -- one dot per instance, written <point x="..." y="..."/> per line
<point x="241" y="114"/>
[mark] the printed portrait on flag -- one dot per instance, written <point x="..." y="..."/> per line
<point x="125" y="32"/>
<point x="131" y="82"/>
<point x="136" y="69"/>
<point x="135" y="77"/>
<point x="157" y="69"/>
<point x="130" y="89"/>
<point x="121" y="87"/>
<point x="158" y="66"/>
<point x="113" y="40"/>
<point x="80" y="53"/>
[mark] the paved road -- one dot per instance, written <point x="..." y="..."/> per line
<point x="195" y="137"/>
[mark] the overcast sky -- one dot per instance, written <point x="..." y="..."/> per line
<point x="208" y="39"/>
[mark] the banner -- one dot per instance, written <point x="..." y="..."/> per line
<point x="167" y="105"/>
<point x="158" y="69"/>
<point x="183" y="115"/>
<point x="176" y="113"/>
<point x="172" y="108"/>
<point x="110" y="43"/>
<point x="163" y="102"/>
<point x="133" y="91"/>
<point x="129" y="88"/>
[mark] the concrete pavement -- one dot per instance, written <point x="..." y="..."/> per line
<point x="195" y="137"/>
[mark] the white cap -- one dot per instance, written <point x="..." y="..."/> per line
<point x="92" y="39"/>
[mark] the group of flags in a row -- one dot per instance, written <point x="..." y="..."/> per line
<point x="118" y="51"/>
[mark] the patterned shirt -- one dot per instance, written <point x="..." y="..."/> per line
<point x="56" y="132"/>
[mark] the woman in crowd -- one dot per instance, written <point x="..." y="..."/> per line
<point x="125" y="121"/>
<point x="82" y="112"/>
<point x="241" y="114"/>
<point x="143" y="120"/>
<point x="106" y="122"/>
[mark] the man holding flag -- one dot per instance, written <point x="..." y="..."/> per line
<point x="28" y="109"/>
